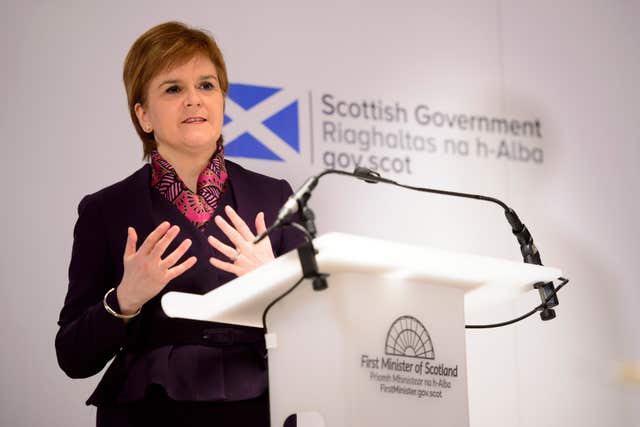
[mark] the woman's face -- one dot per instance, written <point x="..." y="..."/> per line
<point x="184" y="108"/>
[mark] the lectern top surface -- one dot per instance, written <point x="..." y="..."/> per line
<point x="242" y="300"/>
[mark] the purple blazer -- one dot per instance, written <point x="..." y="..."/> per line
<point x="195" y="361"/>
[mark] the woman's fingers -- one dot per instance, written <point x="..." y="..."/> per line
<point x="243" y="256"/>
<point x="225" y="250"/>
<point x="226" y="266"/>
<point x="130" y="246"/>
<point x="233" y="234"/>
<point x="161" y="245"/>
<point x="153" y="238"/>
<point x="239" y="224"/>
<point x="261" y="226"/>
<point x="174" y="256"/>
<point x="146" y="273"/>
<point x="174" y="272"/>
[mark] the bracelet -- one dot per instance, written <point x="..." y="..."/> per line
<point x="113" y="312"/>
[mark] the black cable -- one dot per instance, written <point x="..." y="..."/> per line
<point x="304" y="231"/>
<point x="487" y="326"/>
<point x="376" y="179"/>
<point x="455" y="193"/>
<point x="275" y="301"/>
<point x="524" y="316"/>
<point x="528" y="249"/>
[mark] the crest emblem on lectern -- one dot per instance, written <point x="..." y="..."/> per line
<point x="408" y="337"/>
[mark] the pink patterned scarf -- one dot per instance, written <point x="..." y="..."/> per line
<point x="197" y="207"/>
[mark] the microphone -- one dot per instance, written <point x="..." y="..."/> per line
<point x="291" y="206"/>
<point x="300" y="197"/>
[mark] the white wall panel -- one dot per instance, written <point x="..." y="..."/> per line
<point x="572" y="65"/>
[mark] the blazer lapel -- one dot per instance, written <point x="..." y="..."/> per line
<point x="245" y="196"/>
<point x="128" y="204"/>
<point x="143" y="214"/>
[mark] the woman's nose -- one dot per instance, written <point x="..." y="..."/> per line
<point x="192" y="98"/>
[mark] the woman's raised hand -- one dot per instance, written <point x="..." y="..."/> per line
<point x="146" y="273"/>
<point x="245" y="256"/>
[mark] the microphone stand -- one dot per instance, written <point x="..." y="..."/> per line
<point x="531" y="255"/>
<point x="307" y="252"/>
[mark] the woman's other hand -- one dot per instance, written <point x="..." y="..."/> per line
<point x="146" y="273"/>
<point x="245" y="256"/>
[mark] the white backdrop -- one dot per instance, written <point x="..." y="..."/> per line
<point x="570" y="65"/>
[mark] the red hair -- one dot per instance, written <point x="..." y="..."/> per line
<point x="159" y="49"/>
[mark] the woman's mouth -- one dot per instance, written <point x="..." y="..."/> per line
<point x="194" y="120"/>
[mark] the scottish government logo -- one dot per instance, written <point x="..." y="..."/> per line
<point x="408" y="337"/>
<point x="408" y="366"/>
<point x="261" y="122"/>
<point x="386" y="135"/>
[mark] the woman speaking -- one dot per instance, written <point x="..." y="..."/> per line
<point x="164" y="229"/>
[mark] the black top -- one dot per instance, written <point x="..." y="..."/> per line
<point x="191" y="360"/>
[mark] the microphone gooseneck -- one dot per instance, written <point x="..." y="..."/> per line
<point x="297" y="202"/>
<point x="299" y="198"/>
<point x="528" y="249"/>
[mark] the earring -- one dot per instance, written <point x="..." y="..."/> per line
<point x="147" y="129"/>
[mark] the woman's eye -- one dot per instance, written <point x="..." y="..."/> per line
<point x="173" y="89"/>
<point x="207" y="85"/>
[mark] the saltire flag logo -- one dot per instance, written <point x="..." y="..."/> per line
<point x="261" y="122"/>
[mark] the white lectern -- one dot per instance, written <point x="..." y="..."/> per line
<point x="384" y="345"/>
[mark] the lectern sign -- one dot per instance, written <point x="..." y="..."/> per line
<point x="409" y="365"/>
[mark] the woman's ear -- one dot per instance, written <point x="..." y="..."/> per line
<point x="141" y="114"/>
